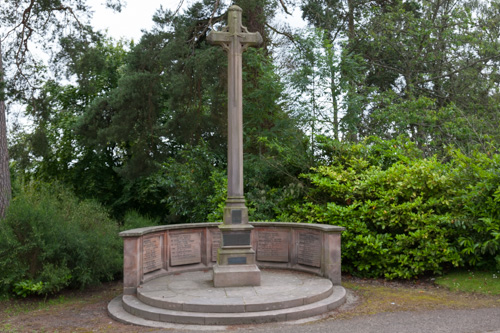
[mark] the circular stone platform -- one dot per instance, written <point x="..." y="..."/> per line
<point x="191" y="298"/>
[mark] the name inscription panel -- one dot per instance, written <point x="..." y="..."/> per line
<point x="309" y="248"/>
<point x="272" y="246"/>
<point x="216" y="241"/>
<point x="185" y="248"/>
<point x="151" y="254"/>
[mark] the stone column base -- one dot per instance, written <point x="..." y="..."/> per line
<point x="236" y="276"/>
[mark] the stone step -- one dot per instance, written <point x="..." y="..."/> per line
<point x="138" y="309"/>
<point x="118" y="313"/>
<point x="195" y="293"/>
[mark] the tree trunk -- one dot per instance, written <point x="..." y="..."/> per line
<point x="353" y="130"/>
<point x="5" y="186"/>
<point x="335" y="111"/>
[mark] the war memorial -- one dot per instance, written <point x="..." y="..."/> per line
<point x="234" y="272"/>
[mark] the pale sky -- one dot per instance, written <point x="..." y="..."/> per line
<point x="134" y="17"/>
<point x="137" y="15"/>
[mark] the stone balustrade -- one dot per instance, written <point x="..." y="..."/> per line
<point x="155" y="251"/>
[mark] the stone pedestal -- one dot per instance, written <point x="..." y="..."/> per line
<point x="236" y="266"/>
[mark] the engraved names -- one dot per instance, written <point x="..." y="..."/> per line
<point x="272" y="246"/>
<point x="216" y="241"/>
<point x="309" y="249"/>
<point x="151" y="254"/>
<point x="185" y="248"/>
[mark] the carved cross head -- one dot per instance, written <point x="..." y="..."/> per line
<point x="235" y="37"/>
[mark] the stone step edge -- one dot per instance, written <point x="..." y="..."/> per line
<point x="135" y="307"/>
<point x="118" y="313"/>
<point x="235" y="307"/>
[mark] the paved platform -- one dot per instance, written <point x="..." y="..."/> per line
<point x="191" y="299"/>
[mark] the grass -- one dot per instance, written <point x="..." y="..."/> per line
<point x="472" y="281"/>
<point x="378" y="298"/>
<point x="70" y="311"/>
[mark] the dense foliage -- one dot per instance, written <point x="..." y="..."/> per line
<point x="49" y="240"/>
<point x="405" y="215"/>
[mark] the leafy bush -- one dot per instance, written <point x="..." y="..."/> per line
<point x="133" y="220"/>
<point x="477" y="208"/>
<point x="405" y="215"/>
<point x="49" y="240"/>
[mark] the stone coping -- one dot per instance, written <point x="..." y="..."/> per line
<point x="148" y="230"/>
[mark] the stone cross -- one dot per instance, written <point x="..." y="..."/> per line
<point x="236" y="259"/>
<point x="235" y="38"/>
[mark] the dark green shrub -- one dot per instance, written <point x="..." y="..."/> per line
<point x="397" y="214"/>
<point x="133" y="220"/>
<point x="49" y="240"/>
<point x="405" y="215"/>
<point x="477" y="208"/>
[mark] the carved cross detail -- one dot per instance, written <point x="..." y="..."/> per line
<point x="234" y="38"/>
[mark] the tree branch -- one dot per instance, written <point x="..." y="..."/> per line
<point x="284" y="7"/>
<point x="283" y="33"/>
<point x="459" y="69"/>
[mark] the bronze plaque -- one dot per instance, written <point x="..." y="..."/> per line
<point x="216" y="241"/>
<point x="309" y="248"/>
<point x="272" y="246"/>
<point x="237" y="261"/>
<point x="236" y="216"/>
<point x="236" y="238"/>
<point x="151" y="254"/>
<point x="185" y="248"/>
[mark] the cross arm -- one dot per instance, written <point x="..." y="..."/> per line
<point x="253" y="39"/>
<point x="218" y="37"/>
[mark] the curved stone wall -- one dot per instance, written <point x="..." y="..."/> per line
<point x="160" y="250"/>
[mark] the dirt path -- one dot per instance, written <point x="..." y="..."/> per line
<point x="86" y="311"/>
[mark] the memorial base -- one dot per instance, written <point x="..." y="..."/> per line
<point x="228" y="256"/>
<point x="236" y="276"/>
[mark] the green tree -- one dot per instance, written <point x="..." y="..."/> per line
<point x="438" y="51"/>
<point x="171" y="96"/>
<point x="23" y="23"/>
<point x="54" y="150"/>
<point x="439" y="55"/>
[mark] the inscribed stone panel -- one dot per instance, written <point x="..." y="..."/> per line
<point x="309" y="248"/>
<point x="185" y="248"/>
<point x="151" y="254"/>
<point x="272" y="245"/>
<point x="216" y="241"/>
